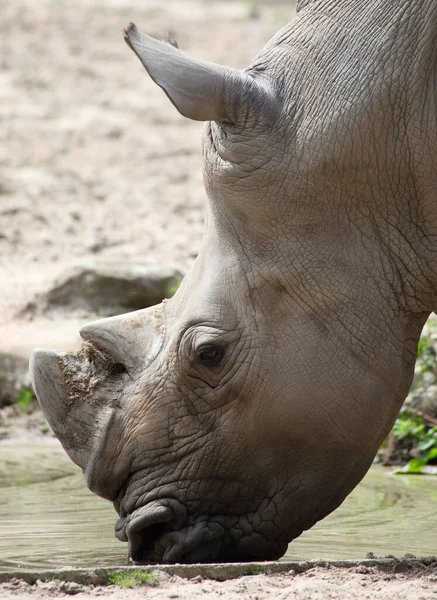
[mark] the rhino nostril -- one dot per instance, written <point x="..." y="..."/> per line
<point x="142" y="543"/>
<point x="117" y="369"/>
<point x="145" y="527"/>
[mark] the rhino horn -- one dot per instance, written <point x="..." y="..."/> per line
<point x="200" y="90"/>
<point x="86" y="424"/>
<point x="132" y="339"/>
<point x="79" y="396"/>
<point x="77" y="425"/>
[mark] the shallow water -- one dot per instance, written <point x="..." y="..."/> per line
<point x="48" y="518"/>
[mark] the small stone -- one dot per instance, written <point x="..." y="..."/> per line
<point x="362" y="570"/>
<point x="197" y="579"/>
<point x="18" y="583"/>
<point x="48" y="586"/>
<point x="71" y="588"/>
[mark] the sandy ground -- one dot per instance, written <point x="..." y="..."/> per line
<point x="96" y="162"/>
<point x="94" y="159"/>
<point x="316" y="584"/>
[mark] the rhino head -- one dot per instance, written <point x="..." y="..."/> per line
<point x="228" y="419"/>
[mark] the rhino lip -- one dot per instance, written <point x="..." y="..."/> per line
<point x="199" y="543"/>
<point x="146" y="529"/>
<point x="196" y="543"/>
<point x="159" y="532"/>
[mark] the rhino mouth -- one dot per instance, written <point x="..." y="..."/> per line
<point x="159" y="542"/>
<point x="160" y="532"/>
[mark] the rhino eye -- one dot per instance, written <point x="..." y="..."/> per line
<point x="210" y="355"/>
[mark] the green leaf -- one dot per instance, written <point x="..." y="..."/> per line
<point x="413" y="467"/>
<point x="428" y="443"/>
<point x="432" y="455"/>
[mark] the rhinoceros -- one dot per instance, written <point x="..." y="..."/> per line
<point x="225" y="421"/>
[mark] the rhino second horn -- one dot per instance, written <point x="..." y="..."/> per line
<point x="201" y="90"/>
<point x="110" y="337"/>
<point x="133" y="339"/>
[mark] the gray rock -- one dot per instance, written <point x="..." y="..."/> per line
<point x="84" y="292"/>
<point x="102" y="288"/>
<point x="71" y="588"/>
<point x="13" y="377"/>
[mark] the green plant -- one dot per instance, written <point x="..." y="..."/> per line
<point x="24" y="399"/>
<point x="420" y="465"/>
<point x="415" y="439"/>
<point x="409" y="427"/>
<point x="132" y="578"/>
<point x="412" y="428"/>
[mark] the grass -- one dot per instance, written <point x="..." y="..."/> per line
<point x="132" y="578"/>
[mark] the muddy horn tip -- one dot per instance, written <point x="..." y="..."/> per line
<point x="128" y="32"/>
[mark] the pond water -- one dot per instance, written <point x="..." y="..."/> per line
<point x="48" y="518"/>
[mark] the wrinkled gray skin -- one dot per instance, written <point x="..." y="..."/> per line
<point x="225" y="421"/>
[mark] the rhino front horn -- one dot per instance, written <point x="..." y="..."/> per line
<point x="75" y="423"/>
<point x="81" y="416"/>
<point x="200" y="90"/>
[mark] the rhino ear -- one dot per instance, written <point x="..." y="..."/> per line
<point x="200" y="90"/>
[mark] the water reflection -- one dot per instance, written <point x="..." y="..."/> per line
<point x="48" y="518"/>
<point x="386" y="514"/>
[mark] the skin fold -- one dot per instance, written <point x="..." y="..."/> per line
<point x="228" y="419"/>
